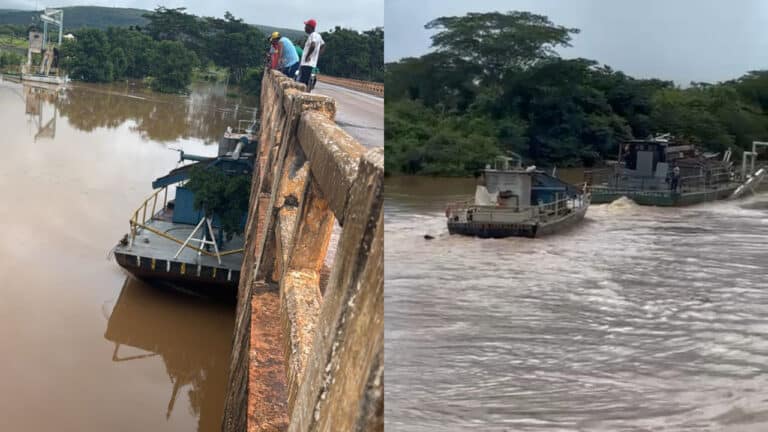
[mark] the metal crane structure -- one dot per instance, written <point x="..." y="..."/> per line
<point x="42" y="44"/>
<point x="49" y="17"/>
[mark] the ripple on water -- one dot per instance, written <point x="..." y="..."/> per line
<point x="639" y="319"/>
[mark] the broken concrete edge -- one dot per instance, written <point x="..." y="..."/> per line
<point x="281" y="131"/>
<point x="360" y="337"/>
<point x="333" y="155"/>
<point x="267" y="390"/>
<point x="325" y="105"/>
<point x="300" y="307"/>
<point x="313" y="233"/>
<point x="359" y="258"/>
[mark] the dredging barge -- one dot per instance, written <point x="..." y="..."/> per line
<point x="660" y="172"/>
<point x="512" y="201"/>
<point x="178" y="245"/>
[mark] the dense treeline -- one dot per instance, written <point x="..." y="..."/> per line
<point x="173" y="43"/>
<point x="165" y="51"/>
<point x="351" y="54"/>
<point x="494" y="83"/>
<point x="10" y="61"/>
<point x="77" y="17"/>
<point x="16" y="30"/>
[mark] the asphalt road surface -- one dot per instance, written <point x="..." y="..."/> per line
<point x="360" y="114"/>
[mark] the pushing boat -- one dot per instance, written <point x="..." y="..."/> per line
<point x="512" y="201"/>
<point x="659" y="171"/>
<point x="176" y="244"/>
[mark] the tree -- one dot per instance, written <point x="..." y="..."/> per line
<point x="172" y="67"/>
<point x="172" y="24"/>
<point x="494" y="84"/>
<point x="351" y="54"/>
<point x="89" y="58"/>
<point x="499" y="42"/>
<point x="235" y="45"/>
<point x="138" y="50"/>
<point x="221" y="194"/>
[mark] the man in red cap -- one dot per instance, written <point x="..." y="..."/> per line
<point x="312" y="50"/>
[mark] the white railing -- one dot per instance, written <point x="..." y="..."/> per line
<point x="556" y="208"/>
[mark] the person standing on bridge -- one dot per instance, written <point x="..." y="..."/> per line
<point x="314" y="46"/>
<point x="288" y="58"/>
<point x="300" y="52"/>
<point x="274" y="54"/>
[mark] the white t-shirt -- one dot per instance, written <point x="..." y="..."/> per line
<point x="318" y="40"/>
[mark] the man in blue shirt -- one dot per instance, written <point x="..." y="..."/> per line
<point x="288" y="57"/>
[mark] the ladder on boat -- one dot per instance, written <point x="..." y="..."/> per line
<point x="753" y="179"/>
<point x="749" y="185"/>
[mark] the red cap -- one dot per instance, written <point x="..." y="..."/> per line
<point x="310" y="22"/>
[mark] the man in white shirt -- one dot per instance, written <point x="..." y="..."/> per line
<point x="312" y="50"/>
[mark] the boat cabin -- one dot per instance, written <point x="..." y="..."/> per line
<point x="508" y="185"/>
<point x="649" y="164"/>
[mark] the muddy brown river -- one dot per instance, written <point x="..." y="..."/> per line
<point x="85" y="347"/>
<point x="639" y="319"/>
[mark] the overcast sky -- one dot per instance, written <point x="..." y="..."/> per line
<point x="680" y="40"/>
<point x="356" y="14"/>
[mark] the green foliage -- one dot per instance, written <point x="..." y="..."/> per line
<point x="89" y="58"/>
<point x="221" y="194"/>
<point x="16" y="30"/>
<point x="500" y="42"/>
<point x="233" y="44"/>
<point x="10" y="61"/>
<point x="137" y="48"/>
<point x="251" y="83"/>
<point x="495" y="84"/>
<point x="420" y="140"/>
<point x="172" y="67"/>
<point x="351" y="54"/>
<point x="118" y="53"/>
<point x="134" y="37"/>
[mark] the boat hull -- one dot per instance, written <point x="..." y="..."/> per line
<point x="527" y="229"/>
<point x="202" y="279"/>
<point x="46" y="79"/>
<point x="662" y="198"/>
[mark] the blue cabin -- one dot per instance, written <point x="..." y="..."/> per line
<point x="184" y="211"/>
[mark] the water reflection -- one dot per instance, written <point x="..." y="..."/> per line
<point x="191" y="336"/>
<point x="34" y="108"/>
<point x="204" y="114"/>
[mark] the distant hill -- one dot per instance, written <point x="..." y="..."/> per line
<point x="294" y="35"/>
<point x="102" y="17"/>
<point x="82" y="16"/>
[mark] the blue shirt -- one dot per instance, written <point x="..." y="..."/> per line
<point x="290" y="56"/>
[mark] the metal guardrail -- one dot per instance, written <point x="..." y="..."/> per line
<point x="555" y="207"/>
<point x="142" y="223"/>
<point x="376" y="89"/>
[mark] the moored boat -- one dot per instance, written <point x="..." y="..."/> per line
<point x="514" y="201"/>
<point x="173" y="242"/>
<point x="661" y="172"/>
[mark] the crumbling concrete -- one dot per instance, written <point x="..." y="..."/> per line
<point x="308" y="348"/>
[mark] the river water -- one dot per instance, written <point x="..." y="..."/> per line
<point x="85" y="347"/>
<point x="639" y="319"/>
